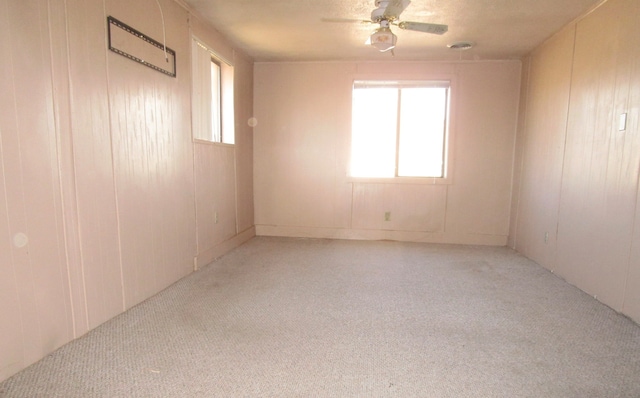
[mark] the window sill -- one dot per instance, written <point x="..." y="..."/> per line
<point x="401" y="180"/>
<point x="207" y="142"/>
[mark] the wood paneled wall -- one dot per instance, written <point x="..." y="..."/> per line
<point x="225" y="172"/>
<point x="545" y="110"/>
<point x="302" y="149"/>
<point x="37" y="312"/>
<point x="101" y="185"/>
<point x="579" y="180"/>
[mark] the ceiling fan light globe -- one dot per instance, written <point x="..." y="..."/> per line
<point x="383" y="47"/>
<point x="383" y="39"/>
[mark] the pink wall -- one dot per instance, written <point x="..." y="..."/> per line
<point x="579" y="177"/>
<point x="105" y="199"/>
<point x="223" y="172"/>
<point x="36" y="302"/>
<point x="102" y="186"/>
<point x="302" y="153"/>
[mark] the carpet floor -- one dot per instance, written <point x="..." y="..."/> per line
<point x="282" y="317"/>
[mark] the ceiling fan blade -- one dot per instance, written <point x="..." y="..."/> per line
<point x="394" y="8"/>
<point x="346" y="20"/>
<point x="423" y="27"/>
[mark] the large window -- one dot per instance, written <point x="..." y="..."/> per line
<point x="399" y="129"/>
<point x="212" y="96"/>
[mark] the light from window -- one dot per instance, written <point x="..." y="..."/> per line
<point x="216" y="103"/>
<point x="399" y="129"/>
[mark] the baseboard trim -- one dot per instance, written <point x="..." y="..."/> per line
<point x="364" y="234"/>
<point x="222" y="248"/>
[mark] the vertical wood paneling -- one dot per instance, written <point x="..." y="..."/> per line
<point x="215" y="177"/>
<point x="545" y="121"/>
<point x="153" y="156"/>
<point x="631" y="36"/>
<point x="304" y="117"/>
<point x="11" y="343"/>
<point x="21" y="309"/>
<point x="33" y="197"/>
<point x="601" y="164"/>
<point x="518" y="155"/>
<point x="11" y="325"/>
<point x="411" y="207"/>
<point x="61" y="85"/>
<point x="244" y="142"/>
<point x="40" y="179"/>
<point x="486" y="106"/>
<point x="224" y="174"/>
<point x="91" y="151"/>
<point x="68" y="105"/>
<point x="302" y="149"/>
<point x="597" y="233"/>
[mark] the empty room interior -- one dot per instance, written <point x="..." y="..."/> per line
<point x="320" y="198"/>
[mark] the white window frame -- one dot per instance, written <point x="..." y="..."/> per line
<point x="449" y="133"/>
<point x="202" y="123"/>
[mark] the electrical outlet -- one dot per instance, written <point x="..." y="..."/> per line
<point x="546" y="237"/>
<point x="215" y="217"/>
<point x="387" y="216"/>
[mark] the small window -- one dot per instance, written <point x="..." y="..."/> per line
<point x="212" y="96"/>
<point x="216" y="102"/>
<point x="399" y="129"/>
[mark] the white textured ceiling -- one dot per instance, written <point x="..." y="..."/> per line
<point x="292" y="30"/>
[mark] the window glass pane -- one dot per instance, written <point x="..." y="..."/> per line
<point x="422" y="127"/>
<point x="228" y="119"/>
<point x="374" y="126"/>
<point x="216" y="107"/>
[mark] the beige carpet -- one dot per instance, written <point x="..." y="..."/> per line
<point x="320" y="318"/>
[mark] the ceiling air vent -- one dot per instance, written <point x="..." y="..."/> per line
<point x="461" y="45"/>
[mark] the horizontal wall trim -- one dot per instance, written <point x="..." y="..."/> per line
<point x="222" y="248"/>
<point x="406" y="62"/>
<point x="364" y="234"/>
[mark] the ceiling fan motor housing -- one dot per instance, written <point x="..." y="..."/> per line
<point x="377" y="15"/>
<point x="382" y="3"/>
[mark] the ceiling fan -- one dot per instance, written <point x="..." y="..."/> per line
<point x="386" y="13"/>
